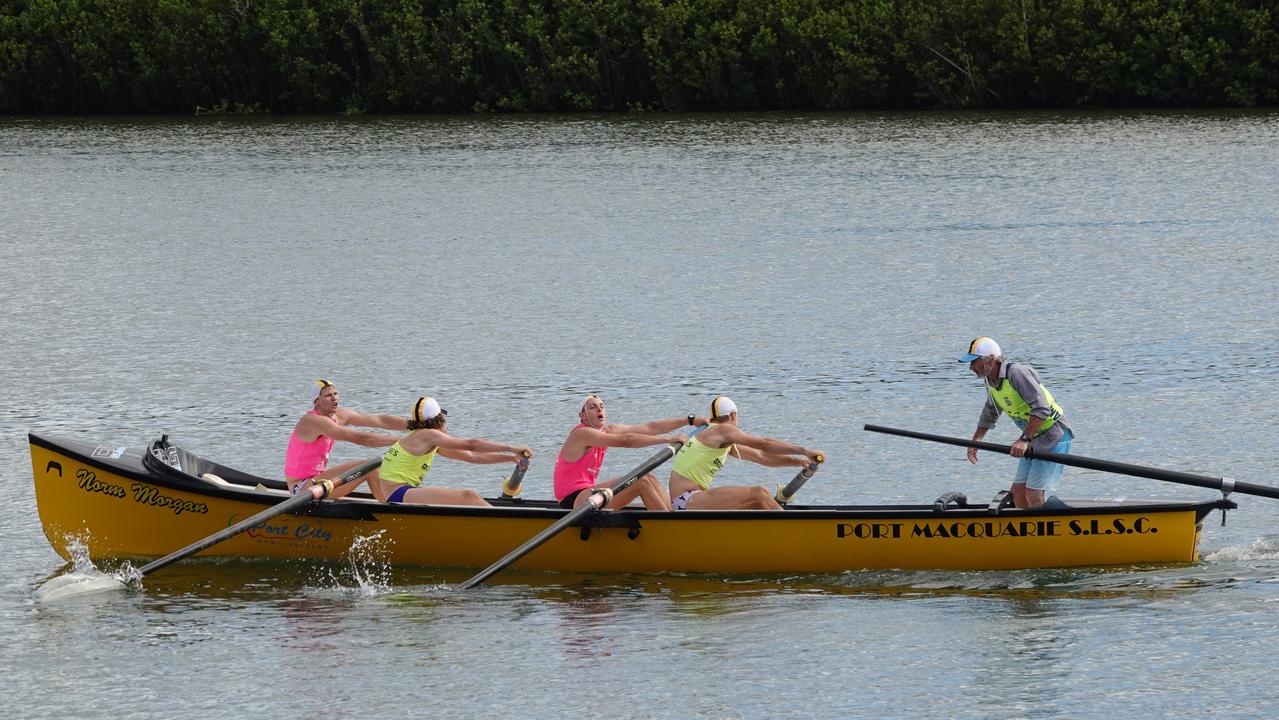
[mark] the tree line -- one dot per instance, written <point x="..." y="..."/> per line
<point x="451" y="56"/>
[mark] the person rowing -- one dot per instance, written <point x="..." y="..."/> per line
<point x="703" y="456"/>
<point x="406" y="463"/>
<point x="306" y="459"/>
<point x="577" y="467"/>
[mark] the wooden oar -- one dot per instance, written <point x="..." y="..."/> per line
<point x="1225" y="485"/>
<point x="511" y="487"/>
<point x="786" y="493"/>
<point x="599" y="497"/>
<point x="310" y="494"/>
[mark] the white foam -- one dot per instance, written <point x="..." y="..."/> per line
<point x="1263" y="548"/>
<point x="76" y="584"/>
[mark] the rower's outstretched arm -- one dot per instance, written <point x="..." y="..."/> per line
<point x="479" y="458"/>
<point x="746" y="452"/>
<point x="657" y="427"/>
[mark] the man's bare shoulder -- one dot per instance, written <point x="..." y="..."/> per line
<point x="584" y="434"/>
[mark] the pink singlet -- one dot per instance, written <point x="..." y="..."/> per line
<point x="581" y="473"/>
<point x="307" y="459"/>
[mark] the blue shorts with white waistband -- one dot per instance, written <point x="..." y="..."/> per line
<point x="1042" y="474"/>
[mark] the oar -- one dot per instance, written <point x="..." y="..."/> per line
<point x="786" y="493"/>
<point x="511" y="487"/>
<point x="599" y="497"/>
<point x="1225" y="485"/>
<point x="310" y="494"/>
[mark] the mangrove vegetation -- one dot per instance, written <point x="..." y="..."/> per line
<point x="448" y="56"/>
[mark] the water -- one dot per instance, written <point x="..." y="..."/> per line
<point x="193" y="276"/>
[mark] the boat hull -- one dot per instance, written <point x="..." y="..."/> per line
<point x="121" y="503"/>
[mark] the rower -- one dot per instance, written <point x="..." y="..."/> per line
<point x="577" y="467"/>
<point x="704" y="455"/>
<point x="307" y="458"/>
<point x="407" y="462"/>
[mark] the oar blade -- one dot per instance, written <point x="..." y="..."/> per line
<point x="76" y="584"/>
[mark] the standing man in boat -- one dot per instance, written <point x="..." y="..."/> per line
<point x="577" y="467"/>
<point x="307" y="457"/>
<point x="1014" y="388"/>
<point x="703" y="455"/>
<point x="406" y="463"/>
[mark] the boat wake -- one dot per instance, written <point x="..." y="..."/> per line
<point x="1261" y="549"/>
<point x="1252" y="563"/>
<point x="84" y="578"/>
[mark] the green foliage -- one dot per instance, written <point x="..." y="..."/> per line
<point x="428" y="56"/>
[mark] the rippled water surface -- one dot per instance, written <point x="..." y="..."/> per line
<point x="191" y="277"/>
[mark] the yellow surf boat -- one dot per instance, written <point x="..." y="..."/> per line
<point x="147" y="500"/>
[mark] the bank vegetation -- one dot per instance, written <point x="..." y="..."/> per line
<point x="449" y="56"/>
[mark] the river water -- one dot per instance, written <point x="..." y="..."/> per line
<point x="192" y="277"/>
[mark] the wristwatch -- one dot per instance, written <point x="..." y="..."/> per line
<point x="1025" y="437"/>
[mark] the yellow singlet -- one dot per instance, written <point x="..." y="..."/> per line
<point x="404" y="468"/>
<point x="699" y="463"/>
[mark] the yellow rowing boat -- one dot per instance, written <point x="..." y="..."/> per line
<point x="145" y="501"/>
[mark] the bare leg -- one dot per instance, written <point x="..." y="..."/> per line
<point x="337" y="470"/>
<point x="734" y="497"/>
<point x="1029" y="498"/>
<point x="647" y="488"/>
<point x="443" y="496"/>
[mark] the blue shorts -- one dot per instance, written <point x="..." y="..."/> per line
<point x="1042" y="474"/>
<point x="397" y="497"/>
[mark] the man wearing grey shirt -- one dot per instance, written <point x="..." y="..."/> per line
<point x="1014" y="388"/>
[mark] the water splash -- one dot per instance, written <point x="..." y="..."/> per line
<point x="369" y="566"/>
<point x="85" y="578"/>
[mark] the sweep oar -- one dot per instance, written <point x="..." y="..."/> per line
<point x="511" y="487"/>
<point x="1225" y="485"/>
<point x="310" y="494"/>
<point x="786" y="493"/>
<point x="598" y="499"/>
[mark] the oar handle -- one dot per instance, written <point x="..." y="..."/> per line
<point x="511" y="487"/>
<point x="597" y="500"/>
<point x="786" y="493"/>
<point x="1175" y="476"/>
<point x="315" y="492"/>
